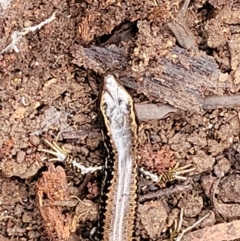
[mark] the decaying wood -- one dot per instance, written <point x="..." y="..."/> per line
<point x="183" y="82"/>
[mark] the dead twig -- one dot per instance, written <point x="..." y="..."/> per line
<point x="165" y="192"/>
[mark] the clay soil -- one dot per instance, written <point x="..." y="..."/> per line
<point x="49" y="84"/>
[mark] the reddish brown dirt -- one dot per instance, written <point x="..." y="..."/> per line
<point x="44" y="95"/>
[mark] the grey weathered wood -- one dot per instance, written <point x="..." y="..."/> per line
<point x="146" y="112"/>
<point x="182" y="83"/>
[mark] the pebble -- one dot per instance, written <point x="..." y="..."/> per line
<point x="34" y="140"/>
<point x="21" y="156"/>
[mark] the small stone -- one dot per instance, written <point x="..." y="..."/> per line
<point x="26" y="218"/>
<point x="192" y="205"/>
<point x="20" y="156"/>
<point x="84" y="150"/>
<point x="222" y="167"/>
<point x="32" y="234"/>
<point x="13" y="152"/>
<point x="28" y="23"/>
<point x="34" y="140"/>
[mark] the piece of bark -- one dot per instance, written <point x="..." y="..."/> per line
<point x="51" y="187"/>
<point x="183" y="81"/>
<point x="99" y="59"/>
